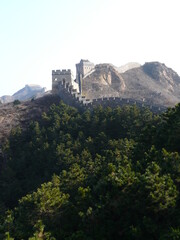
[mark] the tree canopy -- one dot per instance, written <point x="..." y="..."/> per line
<point x="101" y="174"/>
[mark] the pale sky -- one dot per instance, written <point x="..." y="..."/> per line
<point x="38" y="36"/>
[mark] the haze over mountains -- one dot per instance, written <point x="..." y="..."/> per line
<point x="152" y="82"/>
<point x="28" y="92"/>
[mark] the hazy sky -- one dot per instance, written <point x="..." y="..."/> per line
<point x="37" y="36"/>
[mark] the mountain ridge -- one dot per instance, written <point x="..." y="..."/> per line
<point x="26" y="93"/>
<point x="152" y="82"/>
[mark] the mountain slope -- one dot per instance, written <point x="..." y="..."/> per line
<point x="153" y="82"/>
<point x="12" y="115"/>
<point x="25" y="93"/>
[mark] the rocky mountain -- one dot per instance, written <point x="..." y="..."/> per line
<point x="127" y="67"/>
<point x="28" y="92"/>
<point x="152" y="82"/>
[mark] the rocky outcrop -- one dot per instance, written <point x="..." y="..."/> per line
<point x="153" y="83"/>
<point x="104" y="81"/>
<point x="72" y="97"/>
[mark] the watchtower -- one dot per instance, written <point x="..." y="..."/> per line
<point x="59" y="77"/>
<point x="83" y="68"/>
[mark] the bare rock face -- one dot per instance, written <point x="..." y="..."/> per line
<point x="159" y="71"/>
<point x="153" y="82"/>
<point x="103" y="81"/>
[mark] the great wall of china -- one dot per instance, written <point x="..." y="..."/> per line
<point x="70" y="91"/>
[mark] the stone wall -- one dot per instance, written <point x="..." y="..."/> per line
<point x="59" y="76"/>
<point x="117" y="101"/>
<point x="73" y="98"/>
<point x="83" y="68"/>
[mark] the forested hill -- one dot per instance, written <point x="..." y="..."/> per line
<point x="105" y="174"/>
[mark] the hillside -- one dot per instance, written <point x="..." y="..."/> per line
<point x="12" y="115"/>
<point x="99" y="173"/>
<point x="153" y="82"/>
<point x="105" y="174"/>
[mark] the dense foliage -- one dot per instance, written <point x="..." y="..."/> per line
<point x="105" y="174"/>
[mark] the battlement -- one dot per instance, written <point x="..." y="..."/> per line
<point x="64" y="86"/>
<point x="82" y="69"/>
<point x="61" y="72"/>
<point x="61" y="77"/>
<point x="73" y="98"/>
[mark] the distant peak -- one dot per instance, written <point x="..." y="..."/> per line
<point x="127" y="67"/>
<point x="33" y="86"/>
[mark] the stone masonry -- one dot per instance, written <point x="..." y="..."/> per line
<point x="63" y="85"/>
<point x="59" y="76"/>
<point x="82" y="69"/>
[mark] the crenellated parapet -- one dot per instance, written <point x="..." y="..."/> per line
<point x="82" y="69"/>
<point x="61" y="72"/>
<point x="61" y="77"/>
<point x="64" y="86"/>
<point x="73" y="98"/>
<point x="118" y="101"/>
